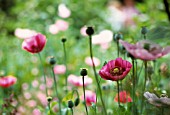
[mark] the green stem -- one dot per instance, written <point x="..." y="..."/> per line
<point x="65" y="62"/>
<point x="145" y="65"/>
<point x="72" y="111"/>
<point x="84" y="96"/>
<point x="162" y="111"/>
<point x="96" y="77"/>
<point x="42" y="68"/>
<point x="134" y="86"/>
<point x="117" y="48"/>
<point x="118" y="93"/>
<point x="55" y="85"/>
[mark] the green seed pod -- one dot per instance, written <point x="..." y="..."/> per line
<point x="144" y="30"/>
<point x="76" y="101"/>
<point x="70" y="104"/>
<point x="89" y="31"/>
<point x="49" y="99"/>
<point x="63" y="40"/>
<point x="52" y="60"/>
<point x="83" y="72"/>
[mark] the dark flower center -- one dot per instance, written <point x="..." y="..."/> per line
<point x="116" y="71"/>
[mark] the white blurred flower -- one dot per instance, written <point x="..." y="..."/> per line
<point x="63" y="11"/>
<point x="24" y="33"/>
<point x="103" y="37"/>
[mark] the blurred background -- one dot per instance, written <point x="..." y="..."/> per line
<point x="68" y="19"/>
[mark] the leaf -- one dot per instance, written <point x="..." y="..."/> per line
<point x="68" y="97"/>
<point x="53" y="104"/>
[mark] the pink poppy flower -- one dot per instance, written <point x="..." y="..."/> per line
<point x="124" y="97"/>
<point x="62" y="25"/>
<point x="63" y="11"/>
<point x="24" y="33"/>
<point x="7" y="81"/>
<point x="59" y="69"/>
<point x="115" y="69"/>
<point x="145" y="50"/>
<point x="35" y="44"/>
<point x="88" y="61"/>
<point x="77" y="80"/>
<point x="90" y="97"/>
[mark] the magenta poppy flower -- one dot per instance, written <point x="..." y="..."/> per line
<point x="34" y="44"/>
<point x="77" y="80"/>
<point x="7" y="81"/>
<point x="90" y="97"/>
<point x="145" y="50"/>
<point x="124" y="97"/>
<point x="115" y="69"/>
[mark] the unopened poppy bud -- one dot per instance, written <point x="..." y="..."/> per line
<point x="105" y="63"/>
<point x="76" y="101"/>
<point x="70" y="104"/>
<point x="63" y="40"/>
<point x="49" y="99"/>
<point x="89" y="31"/>
<point x="52" y="60"/>
<point x="144" y="30"/>
<point x="118" y="36"/>
<point x="83" y="72"/>
<point x="105" y="87"/>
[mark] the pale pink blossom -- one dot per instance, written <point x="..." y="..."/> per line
<point x="53" y="29"/>
<point x="35" y="83"/>
<point x="42" y="97"/>
<point x="49" y="82"/>
<point x="63" y="11"/>
<point x="62" y="25"/>
<point x="90" y="97"/>
<point x="77" y="80"/>
<point x="42" y="87"/>
<point x="83" y="31"/>
<point x="36" y="112"/>
<point x="25" y="86"/>
<point x="145" y="50"/>
<point x="59" y="69"/>
<point x="88" y="61"/>
<point x="24" y="33"/>
<point x="31" y="103"/>
<point x="27" y="95"/>
<point x="104" y="36"/>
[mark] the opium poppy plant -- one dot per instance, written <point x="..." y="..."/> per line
<point x="7" y="81"/>
<point x="115" y="69"/>
<point x="34" y="44"/>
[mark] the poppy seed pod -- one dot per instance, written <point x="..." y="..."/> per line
<point x="89" y="31"/>
<point x="118" y="36"/>
<point x="144" y="30"/>
<point x="76" y="101"/>
<point x="63" y="40"/>
<point x="70" y="104"/>
<point x="49" y="99"/>
<point x="83" y="72"/>
<point x="52" y="60"/>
